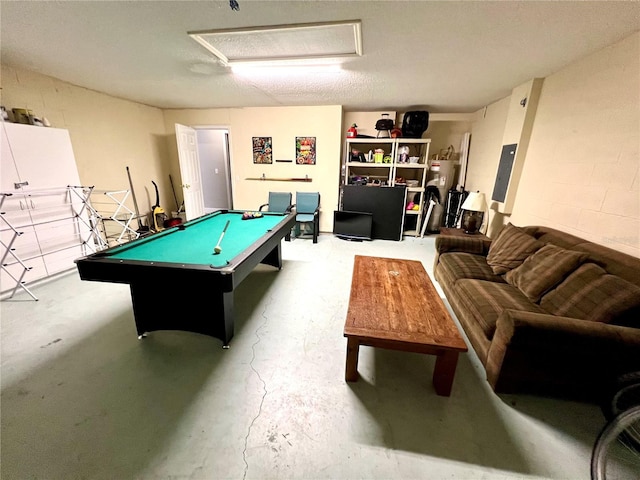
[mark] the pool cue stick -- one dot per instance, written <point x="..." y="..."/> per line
<point x="141" y="228"/>
<point x="135" y="203"/>
<point x="174" y="195"/>
<point x="217" y="248"/>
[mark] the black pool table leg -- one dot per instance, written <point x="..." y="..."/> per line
<point x="140" y="305"/>
<point x="208" y="312"/>
<point x="227" y="305"/>
<point x="274" y="257"/>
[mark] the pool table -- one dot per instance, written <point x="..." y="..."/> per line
<point x="177" y="281"/>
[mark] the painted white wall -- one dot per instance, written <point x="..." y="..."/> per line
<point x="484" y="154"/>
<point x="282" y="124"/>
<point x="108" y="134"/>
<point x="445" y="133"/>
<point x="582" y="170"/>
<point x="583" y="164"/>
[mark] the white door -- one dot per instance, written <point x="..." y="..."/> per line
<point x="190" y="171"/>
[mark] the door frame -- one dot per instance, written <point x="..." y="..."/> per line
<point x="230" y="173"/>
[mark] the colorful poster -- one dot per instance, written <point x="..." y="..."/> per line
<point x="262" y="150"/>
<point x="306" y="150"/>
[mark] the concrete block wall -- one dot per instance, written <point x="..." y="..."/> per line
<point x="108" y="133"/>
<point x="581" y="174"/>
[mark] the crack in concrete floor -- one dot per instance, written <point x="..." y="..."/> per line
<point x="264" y="388"/>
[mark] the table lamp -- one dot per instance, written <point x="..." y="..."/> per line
<point x="473" y="212"/>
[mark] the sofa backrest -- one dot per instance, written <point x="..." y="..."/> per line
<point x="616" y="263"/>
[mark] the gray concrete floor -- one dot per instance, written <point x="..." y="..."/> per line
<point x="82" y="397"/>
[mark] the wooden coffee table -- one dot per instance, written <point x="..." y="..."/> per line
<point x="394" y="305"/>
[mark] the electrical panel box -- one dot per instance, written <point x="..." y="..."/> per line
<point x="504" y="172"/>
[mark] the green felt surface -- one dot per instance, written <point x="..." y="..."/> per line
<point x="195" y="244"/>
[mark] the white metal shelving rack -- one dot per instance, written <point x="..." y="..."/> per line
<point x="42" y="231"/>
<point x="114" y="216"/>
<point x="393" y="172"/>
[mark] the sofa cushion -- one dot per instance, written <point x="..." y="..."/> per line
<point x="590" y="293"/>
<point x="477" y="244"/>
<point x="543" y="270"/>
<point x="510" y="249"/>
<point x="485" y="301"/>
<point x="456" y="266"/>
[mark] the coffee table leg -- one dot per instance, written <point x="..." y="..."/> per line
<point x="351" y="371"/>
<point x="444" y="372"/>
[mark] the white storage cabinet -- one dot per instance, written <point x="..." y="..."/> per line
<point x="38" y="169"/>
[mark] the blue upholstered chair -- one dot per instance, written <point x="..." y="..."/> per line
<point x="308" y="212"/>
<point x="279" y="202"/>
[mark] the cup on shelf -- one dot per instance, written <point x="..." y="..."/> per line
<point x="403" y="154"/>
<point x="414" y="159"/>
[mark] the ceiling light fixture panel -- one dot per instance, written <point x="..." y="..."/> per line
<point x="283" y="44"/>
<point x="284" y="71"/>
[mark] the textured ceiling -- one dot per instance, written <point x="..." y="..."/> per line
<point x="446" y="56"/>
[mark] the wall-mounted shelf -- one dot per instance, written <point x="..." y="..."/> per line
<point x="265" y="178"/>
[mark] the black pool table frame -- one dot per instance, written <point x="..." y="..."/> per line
<point x="188" y="297"/>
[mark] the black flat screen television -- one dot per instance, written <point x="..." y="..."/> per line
<point x="352" y="225"/>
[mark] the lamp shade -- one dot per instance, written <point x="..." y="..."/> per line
<point x="475" y="202"/>
<point x="473" y="212"/>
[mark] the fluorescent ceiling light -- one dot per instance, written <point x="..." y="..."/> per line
<point x="283" y="44"/>
<point x="301" y="62"/>
<point x="285" y="70"/>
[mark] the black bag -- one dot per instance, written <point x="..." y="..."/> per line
<point x="414" y="124"/>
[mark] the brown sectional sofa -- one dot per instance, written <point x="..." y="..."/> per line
<point x="545" y="311"/>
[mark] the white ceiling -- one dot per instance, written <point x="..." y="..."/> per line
<point x="444" y="56"/>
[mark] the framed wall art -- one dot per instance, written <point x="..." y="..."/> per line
<point x="262" y="150"/>
<point x="306" y="150"/>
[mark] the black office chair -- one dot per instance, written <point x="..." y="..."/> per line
<point x="279" y="202"/>
<point x="308" y="212"/>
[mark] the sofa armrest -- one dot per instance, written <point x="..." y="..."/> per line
<point x="543" y="348"/>
<point x="468" y="244"/>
